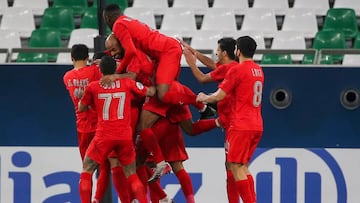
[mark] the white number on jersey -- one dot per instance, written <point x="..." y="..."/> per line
<point x="108" y="97"/>
<point x="258" y="86"/>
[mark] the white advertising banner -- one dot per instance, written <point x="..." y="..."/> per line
<point x="282" y="175"/>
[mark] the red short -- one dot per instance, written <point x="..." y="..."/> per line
<point x="100" y="149"/>
<point x="84" y="140"/>
<point x="170" y="140"/>
<point x="153" y="104"/>
<point x="169" y="63"/>
<point x="240" y="145"/>
<point x="177" y="113"/>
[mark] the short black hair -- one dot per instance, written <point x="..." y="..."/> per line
<point x="79" y="52"/>
<point x="112" y="12"/>
<point x="228" y="44"/>
<point x="246" y="45"/>
<point x="107" y="65"/>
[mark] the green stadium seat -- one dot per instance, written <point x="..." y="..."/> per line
<point x="122" y="3"/>
<point x="32" y="58"/>
<point x="357" y="41"/>
<point x="43" y="38"/>
<point x="327" y="39"/>
<point x="59" y="18"/>
<point x="78" y="6"/>
<point x="325" y="59"/>
<point x="90" y="19"/>
<point x="342" y="19"/>
<point x="276" y="59"/>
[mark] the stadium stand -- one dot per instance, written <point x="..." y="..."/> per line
<point x="179" y="19"/>
<point x="219" y="16"/>
<point x="251" y="16"/>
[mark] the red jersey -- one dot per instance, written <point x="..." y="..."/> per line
<point x="143" y="66"/>
<point x="113" y="106"/>
<point x="79" y="79"/>
<point x="224" y="105"/>
<point x="244" y="83"/>
<point x="134" y="34"/>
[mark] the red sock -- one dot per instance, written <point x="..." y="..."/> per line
<point x="243" y="187"/>
<point x="252" y="186"/>
<point x="103" y="180"/>
<point x="179" y="94"/>
<point x="120" y="184"/>
<point x="137" y="188"/>
<point x="156" y="191"/>
<point x="231" y="190"/>
<point x="85" y="186"/>
<point x="203" y="126"/>
<point x="186" y="185"/>
<point x="151" y="144"/>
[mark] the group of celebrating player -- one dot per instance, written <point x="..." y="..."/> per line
<point x="130" y="109"/>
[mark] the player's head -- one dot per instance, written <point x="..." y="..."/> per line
<point x="79" y="52"/>
<point x="226" y="47"/>
<point x="111" y="13"/>
<point x="246" y="46"/>
<point x="113" y="46"/>
<point x="107" y="65"/>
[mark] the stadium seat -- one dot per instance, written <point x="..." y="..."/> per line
<point x="158" y="6"/>
<point x="144" y="15"/>
<point x="4" y="4"/>
<point x="122" y="3"/>
<point x="342" y="19"/>
<point x="219" y="16"/>
<point x="199" y="6"/>
<point x="239" y="6"/>
<point x="46" y="38"/>
<point x="260" y="19"/>
<point x="20" y="19"/>
<point x="301" y="20"/>
<point x="289" y="40"/>
<point x="78" y="6"/>
<point x="64" y="58"/>
<point x="37" y="6"/>
<point x="327" y="39"/>
<point x="205" y="40"/>
<point x="90" y="19"/>
<point x="32" y="58"/>
<point x="179" y="19"/>
<point x="320" y="6"/>
<point x="351" y="59"/>
<point x="279" y="6"/>
<point x="58" y="18"/>
<point x="10" y="39"/>
<point x="357" y="41"/>
<point x="354" y="4"/>
<point x="83" y="36"/>
<point x="276" y="59"/>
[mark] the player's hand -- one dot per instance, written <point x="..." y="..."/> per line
<point x="201" y="97"/>
<point x="107" y="80"/>
<point x="189" y="57"/>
